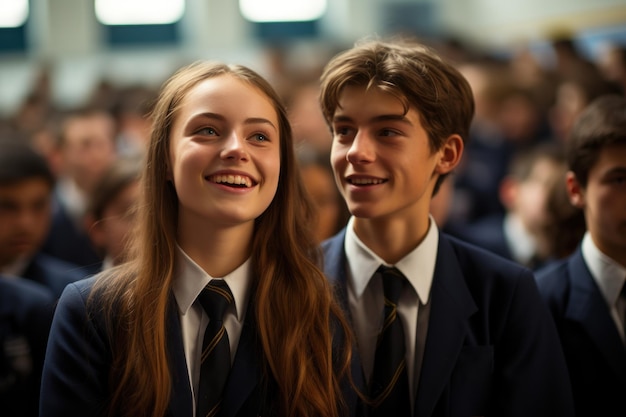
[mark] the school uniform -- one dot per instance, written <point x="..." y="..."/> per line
<point x="489" y="346"/>
<point x="78" y="360"/>
<point x="26" y="310"/>
<point x="581" y="292"/>
<point x="53" y="273"/>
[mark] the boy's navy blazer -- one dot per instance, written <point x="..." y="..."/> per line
<point x="492" y="347"/>
<point x="80" y="349"/>
<point x="53" y="273"/>
<point x="593" y="348"/>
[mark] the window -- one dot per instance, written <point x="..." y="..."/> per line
<point x="278" y="20"/>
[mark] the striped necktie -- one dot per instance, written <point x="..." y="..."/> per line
<point x="215" y="360"/>
<point x="389" y="385"/>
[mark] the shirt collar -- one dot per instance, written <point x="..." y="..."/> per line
<point x="608" y="274"/>
<point x="190" y="279"/>
<point x="520" y="242"/>
<point x="418" y="266"/>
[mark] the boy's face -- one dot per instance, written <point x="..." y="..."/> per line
<point x="381" y="157"/>
<point x="89" y="148"/>
<point x="604" y="201"/>
<point x="25" y="215"/>
<point x="531" y="194"/>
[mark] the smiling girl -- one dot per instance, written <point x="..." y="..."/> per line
<point x="221" y="201"/>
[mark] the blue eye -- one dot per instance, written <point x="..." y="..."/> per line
<point x="208" y="131"/>
<point x="259" y="137"/>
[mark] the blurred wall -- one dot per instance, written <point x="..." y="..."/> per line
<point x="64" y="35"/>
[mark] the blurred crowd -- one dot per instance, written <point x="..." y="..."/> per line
<point x="70" y="219"/>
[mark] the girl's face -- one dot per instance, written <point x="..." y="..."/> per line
<point x="224" y="154"/>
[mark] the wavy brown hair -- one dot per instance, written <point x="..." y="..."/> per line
<point x="411" y="72"/>
<point x="293" y="303"/>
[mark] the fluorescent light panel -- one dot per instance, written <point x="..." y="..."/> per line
<point x="139" y="12"/>
<point x="282" y="10"/>
<point x="13" y="13"/>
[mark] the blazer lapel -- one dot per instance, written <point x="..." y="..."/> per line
<point x="335" y="267"/>
<point x="335" y="270"/>
<point x="588" y="307"/>
<point x="450" y="306"/>
<point x="181" y="400"/>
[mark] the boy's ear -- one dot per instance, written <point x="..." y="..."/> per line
<point x="450" y="154"/>
<point x="575" y="190"/>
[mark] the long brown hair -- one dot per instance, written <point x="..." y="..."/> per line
<point x="293" y="302"/>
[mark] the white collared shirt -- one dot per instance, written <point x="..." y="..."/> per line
<point x="609" y="276"/>
<point x="189" y="280"/>
<point x="521" y="243"/>
<point x="365" y="294"/>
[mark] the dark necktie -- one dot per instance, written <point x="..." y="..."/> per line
<point x="389" y="385"/>
<point x="215" y="360"/>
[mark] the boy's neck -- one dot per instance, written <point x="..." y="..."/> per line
<point x="391" y="239"/>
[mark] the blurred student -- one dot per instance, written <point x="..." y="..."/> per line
<point x="26" y="188"/>
<point x="223" y="222"/>
<point x="86" y="149"/>
<point x="330" y="212"/>
<point x="111" y="210"/>
<point x="519" y="234"/>
<point x="565" y="226"/>
<point x="586" y="293"/>
<point x="443" y="328"/>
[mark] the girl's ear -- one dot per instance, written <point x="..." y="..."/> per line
<point x="450" y="154"/>
<point x="575" y="190"/>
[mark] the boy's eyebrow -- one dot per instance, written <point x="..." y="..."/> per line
<point x="616" y="170"/>
<point x="392" y="117"/>
<point x="380" y="118"/>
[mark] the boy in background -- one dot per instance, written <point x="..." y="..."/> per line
<point x="586" y="293"/>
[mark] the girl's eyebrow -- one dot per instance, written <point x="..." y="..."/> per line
<point x="249" y="121"/>
<point x="257" y="120"/>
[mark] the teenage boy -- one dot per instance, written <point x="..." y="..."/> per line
<point x="583" y="291"/>
<point x="474" y="335"/>
<point x="26" y="187"/>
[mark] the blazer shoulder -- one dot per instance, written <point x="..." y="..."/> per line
<point x="472" y="254"/>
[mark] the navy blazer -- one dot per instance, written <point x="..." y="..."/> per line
<point x="26" y="310"/>
<point x="75" y="379"/>
<point x="593" y="349"/>
<point x="488" y="233"/>
<point x="491" y="348"/>
<point x="78" y="360"/>
<point x="67" y="241"/>
<point x="53" y="273"/>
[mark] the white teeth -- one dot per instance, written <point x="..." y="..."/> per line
<point x="231" y="179"/>
<point x="366" y="181"/>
